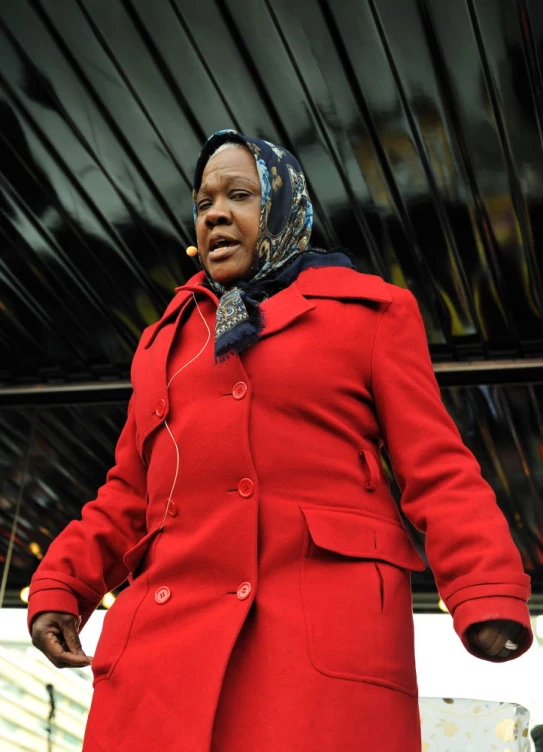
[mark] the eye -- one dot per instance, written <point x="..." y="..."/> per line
<point x="236" y="195"/>
<point x="203" y="205"/>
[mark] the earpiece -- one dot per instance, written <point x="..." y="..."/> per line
<point x="192" y="250"/>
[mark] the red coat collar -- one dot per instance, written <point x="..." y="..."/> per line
<point x="289" y="304"/>
<point x="323" y="282"/>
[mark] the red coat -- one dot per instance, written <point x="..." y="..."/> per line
<point x="269" y="603"/>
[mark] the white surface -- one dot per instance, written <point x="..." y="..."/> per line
<point x="445" y="669"/>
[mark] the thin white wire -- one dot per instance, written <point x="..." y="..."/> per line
<point x="203" y="348"/>
<point x="166" y="422"/>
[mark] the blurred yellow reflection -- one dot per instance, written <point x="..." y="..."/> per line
<point x="108" y="600"/>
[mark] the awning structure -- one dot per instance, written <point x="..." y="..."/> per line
<point x="419" y="126"/>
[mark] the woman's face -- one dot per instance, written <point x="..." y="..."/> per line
<point x="228" y="218"/>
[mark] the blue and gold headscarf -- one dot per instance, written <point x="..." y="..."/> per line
<point x="283" y="249"/>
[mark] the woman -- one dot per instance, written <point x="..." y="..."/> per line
<point x="269" y="606"/>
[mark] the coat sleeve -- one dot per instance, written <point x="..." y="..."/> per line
<point x="476" y="564"/>
<point x="86" y="560"/>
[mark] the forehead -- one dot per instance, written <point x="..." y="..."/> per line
<point x="235" y="162"/>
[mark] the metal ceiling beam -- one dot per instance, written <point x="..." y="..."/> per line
<point x="94" y="392"/>
<point x="489" y="372"/>
<point x="449" y="374"/>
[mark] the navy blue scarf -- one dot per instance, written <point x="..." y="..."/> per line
<point x="282" y="251"/>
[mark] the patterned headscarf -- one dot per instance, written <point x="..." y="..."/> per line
<point x="282" y="250"/>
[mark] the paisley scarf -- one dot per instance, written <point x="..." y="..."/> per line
<point x="282" y="251"/>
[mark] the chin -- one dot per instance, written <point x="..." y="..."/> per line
<point x="227" y="277"/>
<point x="226" y="280"/>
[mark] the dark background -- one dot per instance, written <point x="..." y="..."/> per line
<point x="418" y="123"/>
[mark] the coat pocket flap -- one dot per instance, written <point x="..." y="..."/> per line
<point x="351" y="533"/>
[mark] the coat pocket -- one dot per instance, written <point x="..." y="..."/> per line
<point x="135" y="556"/>
<point x="119" y="619"/>
<point x="371" y="468"/>
<point x="356" y="594"/>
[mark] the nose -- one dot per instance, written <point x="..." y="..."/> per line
<point x="218" y="214"/>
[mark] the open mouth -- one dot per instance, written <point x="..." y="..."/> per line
<point x="221" y="242"/>
<point x="222" y="248"/>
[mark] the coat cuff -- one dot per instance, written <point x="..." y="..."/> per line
<point x="471" y="612"/>
<point x="487" y="585"/>
<point x="57" y="599"/>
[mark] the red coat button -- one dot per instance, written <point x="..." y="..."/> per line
<point x="172" y="509"/>
<point x="162" y="595"/>
<point x="246" y="487"/>
<point x="160" y="408"/>
<point x="244" y="590"/>
<point x="240" y="390"/>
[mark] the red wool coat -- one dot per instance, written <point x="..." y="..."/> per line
<point x="269" y="604"/>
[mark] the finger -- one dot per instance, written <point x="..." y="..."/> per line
<point x="64" y="659"/>
<point x="483" y="637"/>
<point x="47" y="627"/>
<point x="515" y="636"/>
<point x="504" y="652"/>
<point x="45" y="637"/>
<point x="69" y="660"/>
<point x="497" y="643"/>
<point x="71" y="639"/>
<point x="54" y="647"/>
<point x="56" y="651"/>
<point x="489" y="639"/>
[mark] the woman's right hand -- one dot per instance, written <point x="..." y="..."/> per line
<point x="55" y="634"/>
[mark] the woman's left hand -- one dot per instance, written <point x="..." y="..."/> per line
<point x="489" y="637"/>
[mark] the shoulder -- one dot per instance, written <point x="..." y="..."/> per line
<point x="348" y="284"/>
